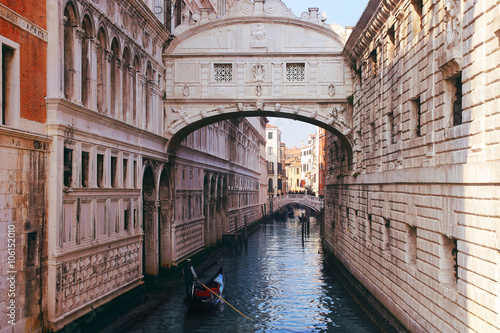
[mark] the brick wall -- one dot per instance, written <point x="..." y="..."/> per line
<point x="33" y="58"/>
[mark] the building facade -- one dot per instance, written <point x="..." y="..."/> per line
<point x="23" y="149"/>
<point x="293" y="169"/>
<point x="415" y="218"/>
<point x="309" y="161"/>
<point x="273" y="157"/>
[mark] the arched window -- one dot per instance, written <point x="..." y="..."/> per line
<point x="101" y="71"/>
<point x="115" y="74"/>
<point x="135" y="87"/>
<point x="69" y="49"/>
<point x="126" y="85"/>
<point x="149" y="82"/>
<point x="270" y="188"/>
<point x="86" y="49"/>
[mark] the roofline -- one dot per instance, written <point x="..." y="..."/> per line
<point x="371" y="21"/>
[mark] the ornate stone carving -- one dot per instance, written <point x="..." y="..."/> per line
<point x="185" y="90"/>
<point x="452" y="20"/>
<point x="82" y="280"/>
<point x="277" y="107"/>
<point x="258" y="90"/>
<point x="336" y="117"/>
<point x="258" y="73"/>
<point x="221" y="109"/>
<point x="203" y="113"/>
<point x="331" y="90"/>
<point x="314" y="114"/>
<point x="183" y="114"/>
<point x="295" y="109"/>
<point x="259" y="105"/>
<point x="240" y="106"/>
<point x="259" y="32"/>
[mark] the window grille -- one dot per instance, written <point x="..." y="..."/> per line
<point x="223" y="72"/>
<point x="295" y="72"/>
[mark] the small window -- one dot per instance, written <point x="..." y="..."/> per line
<point x="391" y="128"/>
<point x="373" y="61"/>
<point x="418" y="8"/>
<point x="32" y="253"/>
<point x="387" y="234"/>
<point x="418" y="116"/>
<point x="411" y="245"/>
<point x="223" y="72"/>
<point x="269" y="150"/>
<point x="126" y="219"/>
<point x="270" y="135"/>
<point x="9" y="86"/>
<point x="295" y="72"/>
<point x="100" y="170"/>
<point x="456" y="99"/>
<point x="85" y="169"/>
<point x="391" y="43"/>
<point x="135" y="174"/>
<point x="125" y="172"/>
<point x="68" y="167"/>
<point x="114" y="165"/>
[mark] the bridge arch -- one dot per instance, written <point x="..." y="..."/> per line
<point x="259" y="59"/>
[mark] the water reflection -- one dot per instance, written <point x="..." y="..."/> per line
<point x="278" y="279"/>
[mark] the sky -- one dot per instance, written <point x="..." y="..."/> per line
<point x="341" y="12"/>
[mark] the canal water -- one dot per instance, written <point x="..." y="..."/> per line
<point x="279" y="280"/>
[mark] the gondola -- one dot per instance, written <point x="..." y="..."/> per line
<point x="197" y="296"/>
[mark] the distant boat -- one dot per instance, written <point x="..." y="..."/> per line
<point x="199" y="297"/>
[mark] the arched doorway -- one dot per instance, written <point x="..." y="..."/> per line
<point x="150" y="223"/>
<point x="206" y="211"/>
<point x="166" y="218"/>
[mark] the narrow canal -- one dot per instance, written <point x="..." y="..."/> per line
<point x="279" y="280"/>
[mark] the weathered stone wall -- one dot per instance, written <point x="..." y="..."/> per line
<point x="23" y="237"/>
<point x="416" y="217"/>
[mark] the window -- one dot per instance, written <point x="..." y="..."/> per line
<point x="411" y="245"/>
<point x="125" y="172"/>
<point x="298" y="182"/>
<point x="390" y="127"/>
<point x="269" y="150"/>
<point x="418" y="115"/>
<point x="373" y="61"/>
<point x="85" y="169"/>
<point x="270" y="135"/>
<point x="134" y="172"/>
<point x="391" y="43"/>
<point x="456" y="99"/>
<point x="9" y="83"/>
<point x="68" y="167"/>
<point x="387" y="234"/>
<point x="114" y="165"/>
<point x="418" y="6"/>
<point x="449" y="263"/>
<point x="295" y="72"/>
<point x="100" y="170"/>
<point x="32" y="253"/>
<point x="223" y="72"/>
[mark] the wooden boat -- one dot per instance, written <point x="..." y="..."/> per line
<point x="197" y="295"/>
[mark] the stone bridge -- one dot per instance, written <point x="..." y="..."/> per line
<point x="309" y="201"/>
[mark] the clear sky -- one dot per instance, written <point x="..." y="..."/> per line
<point x="341" y="12"/>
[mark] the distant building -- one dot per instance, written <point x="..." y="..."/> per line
<point x="309" y="161"/>
<point x="273" y="157"/>
<point x="293" y="169"/>
<point x="321" y="135"/>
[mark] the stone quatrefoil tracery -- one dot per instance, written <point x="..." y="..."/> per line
<point x="82" y="280"/>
